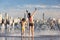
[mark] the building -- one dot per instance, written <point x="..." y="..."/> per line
<point x="0" y="18"/>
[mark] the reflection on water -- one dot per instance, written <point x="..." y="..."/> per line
<point x="35" y="38"/>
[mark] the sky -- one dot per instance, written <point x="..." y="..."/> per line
<point x="16" y="8"/>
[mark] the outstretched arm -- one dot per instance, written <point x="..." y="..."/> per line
<point x="34" y="12"/>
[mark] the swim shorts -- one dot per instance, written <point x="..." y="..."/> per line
<point x="31" y="24"/>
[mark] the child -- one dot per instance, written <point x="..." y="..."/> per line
<point x="23" y="23"/>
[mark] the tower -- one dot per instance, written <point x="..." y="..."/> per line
<point x="6" y="16"/>
<point x="43" y="16"/>
<point x="0" y="18"/>
<point x="25" y="15"/>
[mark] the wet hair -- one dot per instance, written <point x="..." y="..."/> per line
<point x="23" y="19"/>
<point x="29" y="15"/>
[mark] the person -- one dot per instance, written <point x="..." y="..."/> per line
<point x="31" y="22"/>
<point x="23" y="23"/>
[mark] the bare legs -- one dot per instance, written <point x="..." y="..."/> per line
<point x="31" y="31"/>
<point x="23" y="33"/>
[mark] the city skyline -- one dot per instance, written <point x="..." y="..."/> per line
<point x="16" y="8"/>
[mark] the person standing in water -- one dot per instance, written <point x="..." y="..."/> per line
<point x="23" y="23"/>
<point x="31" y="22"/>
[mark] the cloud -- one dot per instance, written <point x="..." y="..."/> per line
<point x="38" y="6"/>
<point x="31" y="6"/>
<point x="56" y="6"/>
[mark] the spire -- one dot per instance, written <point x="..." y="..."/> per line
<point x="43" y="16"/>
<point x="25" y="15"/>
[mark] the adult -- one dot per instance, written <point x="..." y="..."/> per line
<point x="31" y="22"/>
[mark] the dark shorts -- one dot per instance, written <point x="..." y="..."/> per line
<point x="31" y="24"/>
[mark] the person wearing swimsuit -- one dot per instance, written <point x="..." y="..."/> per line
<point x="31" y="25"/>
<point x="23" y="23"/>
<point x="31" y="22"/>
